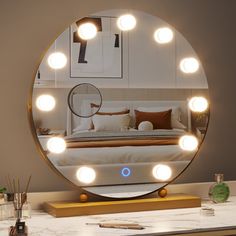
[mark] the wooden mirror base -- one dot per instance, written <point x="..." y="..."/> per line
<point x="172" y="201"/>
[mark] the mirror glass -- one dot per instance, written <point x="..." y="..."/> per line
<point x="146" y="115"/>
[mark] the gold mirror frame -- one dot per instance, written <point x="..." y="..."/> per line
<point x="43" y="153"/>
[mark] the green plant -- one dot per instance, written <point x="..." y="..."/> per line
<point x="2" y="189"/>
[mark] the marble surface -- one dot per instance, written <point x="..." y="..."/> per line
<point x="160" y="222"/>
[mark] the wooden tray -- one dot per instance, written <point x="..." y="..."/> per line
<point x="63" y="209"/>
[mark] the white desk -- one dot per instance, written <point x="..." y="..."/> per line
<point x="163" y="222"/>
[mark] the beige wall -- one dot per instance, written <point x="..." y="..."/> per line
<point x="28" y="27"/>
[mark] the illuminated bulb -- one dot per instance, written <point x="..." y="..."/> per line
<point x="87" y="31"/>
<point x="189" y="65"/>
<point x="198" y="104"/>
<point x="57" y="60"/>
<point x="86" y="174"/>
<point x="163" y="35"/>
<point x="126" y="22"/>
<point x="56" y="145"/>
<point x="45" y="102"/>
<point x="188" y="142"/>
<point x="162" y="172"/>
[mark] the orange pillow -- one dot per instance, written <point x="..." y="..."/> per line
<point x="160" y="120"/>
<point x="113" y="113"/>
<point x="126" y="111"/>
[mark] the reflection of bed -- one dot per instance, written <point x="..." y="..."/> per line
<point x="121" y="155"/>
<point x="123" y="138"/>
<point x="182" y="109"/>
<point x="110" y="151"/>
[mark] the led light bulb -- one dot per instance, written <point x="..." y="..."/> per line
<point x="162" y="172"/>
<point x="126" y="22"/>
<point x="198" y="104"/>
<point x="189" y="65"/>
<point x="87" y="31"/>
<point x="56" y="145"/>
<point x="57" y="60"/>
<point x="188" y="143"/>
<point x="163" y="35"/>
<point x="45" y="102"/>
<point x="86" y="174"/>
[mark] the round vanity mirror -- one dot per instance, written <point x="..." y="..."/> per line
<point x="125" y="103"/>
<point x="82" y="97"/>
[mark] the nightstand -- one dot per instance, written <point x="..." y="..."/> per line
<point x="43" y="139"/>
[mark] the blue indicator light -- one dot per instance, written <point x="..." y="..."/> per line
<point x="126" y="172"/>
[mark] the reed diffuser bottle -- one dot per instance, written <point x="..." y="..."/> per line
<point x="219" y="191"/>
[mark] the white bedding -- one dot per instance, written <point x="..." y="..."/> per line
<point x="117" y="155"/>
<point x="92" y="135"/>
<point x="123" y="154"/>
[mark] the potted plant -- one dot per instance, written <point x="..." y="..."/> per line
<point x="2" y="191"/>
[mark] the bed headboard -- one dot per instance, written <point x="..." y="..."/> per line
<point x="74" y="121"/>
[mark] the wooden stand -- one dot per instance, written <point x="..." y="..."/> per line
<point x="63" y="209"/>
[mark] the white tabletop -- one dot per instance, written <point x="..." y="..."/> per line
<point x="160" y="222"/>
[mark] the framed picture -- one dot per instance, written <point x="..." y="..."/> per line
<point x="100" y="57"/>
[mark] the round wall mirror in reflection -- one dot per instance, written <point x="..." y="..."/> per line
<point x="82" y="98"/>
<point x="148" y="128"/>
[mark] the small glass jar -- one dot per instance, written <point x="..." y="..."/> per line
<point x="6" y="211"/>
<point x="26" y="210"/>
<point x="219" y="191"/>
<point x="2" y="200"/>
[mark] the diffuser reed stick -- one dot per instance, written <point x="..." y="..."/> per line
<point x="28" y="183"/>
<point x="19" y="200"/>
<point x="18" y="185"/>
<point x="14" y="186"/>
<point x="10" y="184"/>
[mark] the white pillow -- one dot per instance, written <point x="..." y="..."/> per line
<point x="86" y="123"/>
<point x="177" y="124"/>
<point x="111" y="122"/>
<point x="83" y="123"/>
<point x="81" y="127"/>
<point x="175" y="115"/>
<point x="145" y="126"/>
